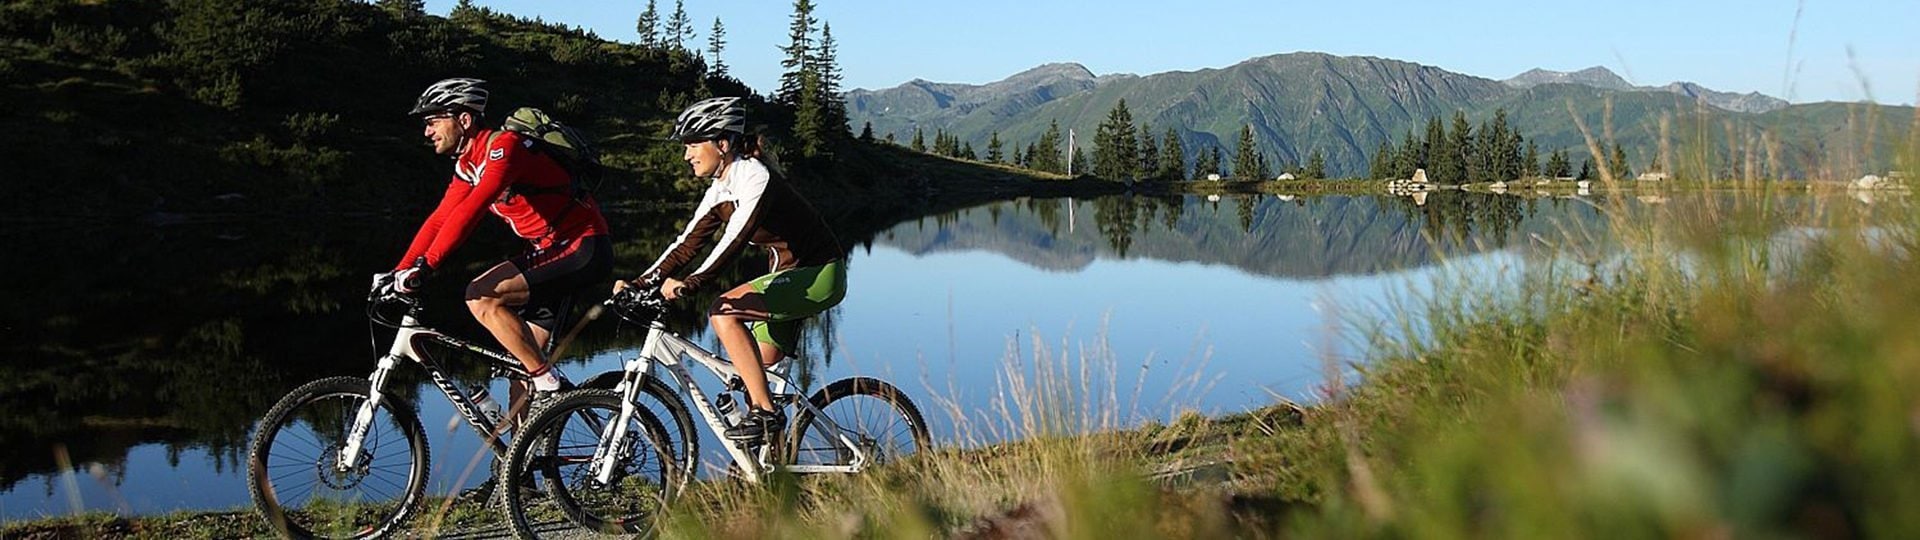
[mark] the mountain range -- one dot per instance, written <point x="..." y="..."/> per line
<point x="1345" y="106"/>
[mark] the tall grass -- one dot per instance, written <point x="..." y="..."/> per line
<point x="1727" y="364"/>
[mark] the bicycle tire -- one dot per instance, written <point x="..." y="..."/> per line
<point x="329" y="406"/>
<point x="553" y="455"/>
<point x="806" y="445"/>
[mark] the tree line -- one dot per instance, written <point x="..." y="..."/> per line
<point x="1121" y="151"/>
<point x="1492" y="152"/>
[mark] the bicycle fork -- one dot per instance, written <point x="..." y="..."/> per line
<point x="606" y="456"/>
<point x="363" y="419"/>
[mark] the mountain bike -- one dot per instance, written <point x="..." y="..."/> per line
<point x="600" y="443"/>
<point x="343" y="457"/>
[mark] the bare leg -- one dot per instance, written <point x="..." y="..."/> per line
<point x="729" y="320"/>
<point x="492" y="297"/>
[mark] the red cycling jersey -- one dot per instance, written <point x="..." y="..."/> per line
<point x="501" y="171"/>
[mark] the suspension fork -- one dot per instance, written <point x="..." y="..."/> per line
<point x="606" y="455"/>
<point x="363" y="419"/>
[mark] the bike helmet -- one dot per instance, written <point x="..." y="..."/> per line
<point x="711" y="119"/>
<point x="451" y="93"/>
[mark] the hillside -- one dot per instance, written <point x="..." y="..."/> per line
<point x="1345" y="106"/>
<point x="194" y="106"/>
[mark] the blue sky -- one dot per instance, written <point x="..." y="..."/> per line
<point x="1739" y="46"/>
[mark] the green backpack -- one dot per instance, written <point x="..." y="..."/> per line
<point x="563" y="143"/>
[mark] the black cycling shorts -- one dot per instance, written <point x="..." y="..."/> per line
<point x="559" y="273"/>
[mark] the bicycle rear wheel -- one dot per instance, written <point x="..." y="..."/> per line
<point x="293" y="471"/>
<point x="872" y="413"/>
<point x="549" y="469"/>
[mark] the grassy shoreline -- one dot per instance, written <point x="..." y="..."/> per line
<point x="1760" y="385"/>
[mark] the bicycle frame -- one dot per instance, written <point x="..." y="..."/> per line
<point x="666" y="349"/>
<point x="406" y="345"/>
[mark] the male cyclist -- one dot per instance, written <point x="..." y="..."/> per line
<point x="519" y="301"/>
<point x="749" y="203"/>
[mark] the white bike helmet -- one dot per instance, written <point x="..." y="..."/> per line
<point x="450" y="93"/>
<point x="711" y="118"/>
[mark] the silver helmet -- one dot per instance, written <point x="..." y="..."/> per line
<point x="450" y="93"/>
<point x="711" y="118"/>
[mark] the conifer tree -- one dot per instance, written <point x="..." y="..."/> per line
<point x="649" y="25"/>
<point x="866" y="132"/>
<point x="1047" y="156"/>
<point x="1530" y="163"/>
<point x="1173" y="158"/>
<point x="1381" y="166"/>
<point x="1586" y="169"/>
<point x="799" y="51"/>
<point x="1408" y="158"/>
<point x="1618" y="164"/>
<point x="826" y="61"/>
<point x="966" y="152"/>
<point x="679" y="26"/>
<point x="1460" y="142"/>
<point x="1208" y="163"/>
<point x="810" y="117"/>
<point x="1558" y="166"/>
<point x="1316" y="165"/>
<point x="1079" y="161"/>
<point x="716" y="42"/>
<point x="919" y="143"/>
<point x="404" y="8"/>
<point x="1245" y="158"/>
<point x="1149" y="164"/>
<point x="1115" y="156"/>
<point x="994" y="154"/>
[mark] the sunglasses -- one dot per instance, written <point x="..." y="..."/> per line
<point x="431" y="118"/>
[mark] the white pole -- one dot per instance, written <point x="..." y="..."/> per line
<point x="1070" y="148"/>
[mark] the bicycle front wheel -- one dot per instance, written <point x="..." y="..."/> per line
<point x="873" y="415"/>
<point x="295" y="470"/>
<point x="549" y="470"/>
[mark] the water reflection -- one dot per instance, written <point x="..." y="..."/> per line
<point x="140" y="356"/>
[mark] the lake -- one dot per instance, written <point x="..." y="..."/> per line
<point x="141" y="355"/>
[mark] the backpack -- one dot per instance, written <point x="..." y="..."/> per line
<point x="566" y="145"/>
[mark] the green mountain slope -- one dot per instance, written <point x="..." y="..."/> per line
<point x="1345" y="106"/>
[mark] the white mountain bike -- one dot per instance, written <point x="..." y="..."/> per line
<point x="608" y="452"/>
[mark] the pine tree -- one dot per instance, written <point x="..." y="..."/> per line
<point x="1586" y="169"/>
<point x="1558" y="166"/>
<point x="1530" y="164"/>
<point x="825" y="60"/>
<point x="809" y="117"/>
<point x="1407" y="158"/>
<point x="1046" y="156"/>
<point x="1173" y="158"/>
<point x="966" y="152"/>
<point x="1460" y="144"/>
<point x="1208" y="163"/>
<point x="1113" y="146"/>
<point x="649" y="25"/>
<point x="1517" y="165"/>
<point x="1245" y="158"/>
<point x="716" y="42"/>
<point x="890" y="139"/>
<point x="1618" y="164"/>
<point x="866" y="132"/>
<point x="1437" y="155"/>
<point x="1381" y="166"/>
<point x="1496" y="153"/>
<point x="679" y="27"/>
<point x="919" y="143"/>
<point x="1079" y="161"/>
<point x="799" y="52"/>
<point x="1316" y="165"/>
<point x="1016" y="159"/>
<point x="994" y="154"/>
<point x="1148" y="166"/>
<point x="404" y="8"/>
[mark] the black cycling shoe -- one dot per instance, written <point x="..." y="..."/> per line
<point x="758" y="425"/>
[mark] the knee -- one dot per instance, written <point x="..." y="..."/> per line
<point x="479" y="303"/>
<point x="719" y="319"/>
